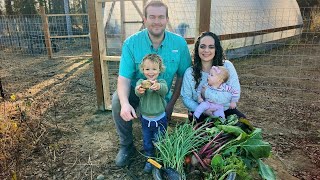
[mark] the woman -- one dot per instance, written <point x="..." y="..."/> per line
<point x="208" y="52"/>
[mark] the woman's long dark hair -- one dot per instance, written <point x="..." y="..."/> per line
<point x="217" y="59"/>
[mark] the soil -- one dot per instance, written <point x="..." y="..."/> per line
<point x="280" y="94"/>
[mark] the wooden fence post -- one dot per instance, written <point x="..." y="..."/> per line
<point x="203" y="16"/>
<point x="46" y="31"/>
<point x="94" y="40"/>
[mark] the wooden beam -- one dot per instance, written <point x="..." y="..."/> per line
<point x="101" y="1"/>
<point x="96" y="54"/>
<point x="122" y="17"/>
<point x="133" y="22"/>
<point x="110" y="13"/>
<point x="180" y="115"/>
<point x="256" y="33"/>
<point x="203" y="16"/>
<point x="55" y="15"/>
<point x="103" y="51"/>
<point x="250" y="34"/>
<point x="111" y="58"/>
<point x="46" y="31"/>
<point x="137" y="8"/>
<point x="189" y="40"/>
<point x="73" y="36"/>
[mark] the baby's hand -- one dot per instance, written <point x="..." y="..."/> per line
<point x="155" y="86"/>
<point x="233" y="105"/>
<point x="140" y="89"/>
<point x="200" y="100"/>
<point x="146" y="84"/>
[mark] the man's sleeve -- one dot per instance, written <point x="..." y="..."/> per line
<point x="185" y="60"/>
<point x="127" y="63"/>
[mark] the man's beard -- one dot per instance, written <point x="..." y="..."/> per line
<point x="157" y="34"/>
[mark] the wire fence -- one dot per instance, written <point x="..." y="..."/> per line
<point x="244" y="33"/>
<point x="279" y="79"/>
<point x="24" y="35"/>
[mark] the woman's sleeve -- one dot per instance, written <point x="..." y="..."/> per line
<point x="187" y="91"/>
<point x="233" y="76"/>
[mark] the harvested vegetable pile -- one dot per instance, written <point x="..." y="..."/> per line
<point x="216" y="150"/>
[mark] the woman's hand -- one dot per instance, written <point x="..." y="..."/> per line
<point x="233" y="105"/>
<point x="200" y="99"/>
<point x="203" y="91"/>
<point x="208" y="112"/>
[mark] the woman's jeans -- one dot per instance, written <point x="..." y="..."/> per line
<point x="150" y="132"/>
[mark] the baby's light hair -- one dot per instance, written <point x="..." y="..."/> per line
<point x="156" y="59"/>
<point x="223" y="73"/>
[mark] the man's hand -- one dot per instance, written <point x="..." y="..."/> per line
<point x="169" y="110"/>
<point x="127" y="112"/>
<point x="233" y="105"/>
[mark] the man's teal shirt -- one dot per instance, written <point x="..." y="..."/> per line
<point x="173" y="51"/>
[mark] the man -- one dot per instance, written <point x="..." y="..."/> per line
<point x="154" y="39"/>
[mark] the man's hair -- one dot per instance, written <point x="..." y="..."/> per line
<point x="155" y="59"/>
<point x="154" y="3"/>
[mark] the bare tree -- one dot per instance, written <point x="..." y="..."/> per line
<point x="24" y="7"/>
<point x="1" y="10"/>
<point x="8" y="6"/>
<point x="68" y="19"/>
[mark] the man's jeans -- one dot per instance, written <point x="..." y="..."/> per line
<point x="150" y="131"/>
<point x="124" y="128"/>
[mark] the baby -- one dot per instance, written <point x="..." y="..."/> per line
<point x="211" y="91"/>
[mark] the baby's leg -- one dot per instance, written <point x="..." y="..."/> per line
<point x="200" y="109"/>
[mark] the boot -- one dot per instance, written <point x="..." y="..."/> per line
<point x="124" y="155"/>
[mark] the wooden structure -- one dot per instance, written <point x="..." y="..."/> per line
<point x="98" y="43"/>
<point x="46" y="30"/>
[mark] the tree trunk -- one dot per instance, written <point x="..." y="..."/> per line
<point x="1" y="90"/>
<point x="8" y="7"/>
<point x="68" y="19"/>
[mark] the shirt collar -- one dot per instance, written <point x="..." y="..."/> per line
<point x="163" y="43"/>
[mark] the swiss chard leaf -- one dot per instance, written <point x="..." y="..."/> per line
<point x="217" y="162"/>
<point x="265" y="171"/>
<point x="256" y="134"/>
<point x="257" y="148"/>
<point x="235" y="130"/>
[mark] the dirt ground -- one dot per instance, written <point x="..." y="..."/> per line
<point x="80" y="142"/>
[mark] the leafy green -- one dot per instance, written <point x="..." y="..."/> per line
<point x="173" y="147"/>
<point x="257" y="148"/>
<point x="231" y="129"/>
<point x="217" y="163"/>
<point x="265" y="171"/>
